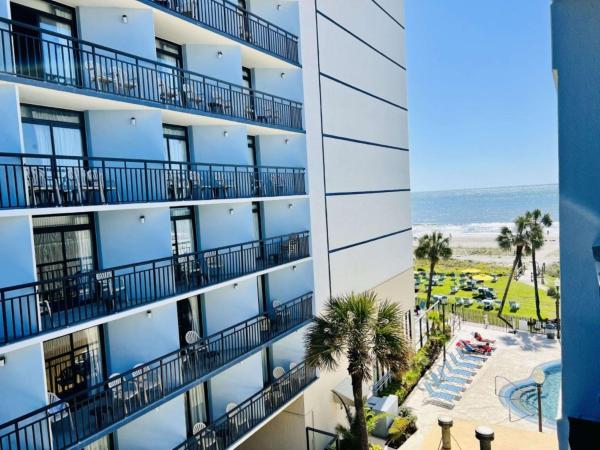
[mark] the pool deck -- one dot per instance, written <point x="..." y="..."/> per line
<point x="515" y="358"/>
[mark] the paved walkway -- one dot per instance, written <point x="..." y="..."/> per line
<point x="515" y="358"/>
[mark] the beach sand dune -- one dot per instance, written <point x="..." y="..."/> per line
<point x="477" y="242"/>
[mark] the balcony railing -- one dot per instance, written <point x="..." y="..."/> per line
<point x="39" y="181"/>
<point x="227" y="429"/>
<point x="70" y="420"/>
<point x="238" y="23"/>
<point x="35" y="308"/>
<point x="34" y="53"/>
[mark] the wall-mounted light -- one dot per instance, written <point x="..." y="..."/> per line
<point x="225" y="133"/>
<point x="287" y="141"/>
<point x="219" y="54"/>
<point x="149" y="314"/>
<point x="124" y="18"/>
<point x="231" y="211"/>
<point x="2" y="361"/>
<point x="282" y="75"/>
<point x="132" y="121"/>
<point x="290" y="205"/>
<point x="235" y="285"/>
<point x="142" y="219"/>
<point x="294" y="267"/>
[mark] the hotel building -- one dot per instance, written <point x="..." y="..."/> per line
<point x="183" y="184"/>
<point x="576" y="42"/>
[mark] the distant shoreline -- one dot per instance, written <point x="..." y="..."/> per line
<point x="524" y="186"/>
<point x="477" y="242"/>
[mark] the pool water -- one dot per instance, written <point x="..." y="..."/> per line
<point x="524" y="396"/>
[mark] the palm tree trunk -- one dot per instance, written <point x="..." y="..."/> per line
<point x="510" y="278"/>
<point x="535" y="287"/>
<point x="359" y="405"/>
<point x="431" y="267"/>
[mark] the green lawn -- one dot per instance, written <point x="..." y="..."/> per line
<point x="520" y="292"/>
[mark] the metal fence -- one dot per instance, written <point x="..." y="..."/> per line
<point x="38" y="181"/>
<point x="44" y="55"/>
<point x="35" y="308"/>
<point x="227" y="429"/>
<point x="238" y="23"/>
<point x="67" y="421"/>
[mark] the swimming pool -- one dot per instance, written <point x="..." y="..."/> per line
<point x="522" y="395"/>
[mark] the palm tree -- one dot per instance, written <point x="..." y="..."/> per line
<point x="365" y="331"/>
<point x="536" y="223"/>
<point x="507" y="240"/>
<point x="433" y="247"/>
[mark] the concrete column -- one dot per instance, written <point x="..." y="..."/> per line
<point x="446" y="423"/>
<point x="485" y="436"/>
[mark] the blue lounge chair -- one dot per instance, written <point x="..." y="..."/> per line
<point x="463" y="364"/>
<point x="455" y="370"/>
<point x="445" y="385"/>
<point x="452" y="379"/>
<point x="439" y="398"/>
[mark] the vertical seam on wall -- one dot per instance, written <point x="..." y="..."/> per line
<point x="323" y="148"/>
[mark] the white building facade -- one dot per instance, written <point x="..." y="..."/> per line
<point x="183" y="184"/>
<point x="576" y="41"/>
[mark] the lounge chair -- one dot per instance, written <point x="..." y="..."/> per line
<point x="445" y="385"/>
<point x="452" y="379"/>
<point x="443" y="399"/>
<point x="464" y="364"/>
<point x="455" y="370"/>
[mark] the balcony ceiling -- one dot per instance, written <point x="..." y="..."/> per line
<point x="81" y="102"/>
<point x="181" y="31"/>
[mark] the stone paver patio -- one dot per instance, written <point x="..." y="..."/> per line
<point x="515" y="358"/>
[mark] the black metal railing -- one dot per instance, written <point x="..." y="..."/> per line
<point x="238" y="23"/>
<point x="37" y="181"/>
<point x="39" y="307"/>
<point x="227" y="429"/>
<point x="31" y="52"/>
<point x="71" y="419"/>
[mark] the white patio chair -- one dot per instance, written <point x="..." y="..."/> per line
<point x="278" y="372"/>
<point x="59" y="411"/>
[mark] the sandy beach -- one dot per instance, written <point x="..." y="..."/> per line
<point x="477" y="242"/>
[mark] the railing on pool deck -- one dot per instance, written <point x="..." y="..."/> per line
<point x="84" y="415"/>
<point x="61" y="60"/>
<point x="236" y="22"/>
<point x="227" y="429"/>
<point x="41" y="181"/>
<point x="35" y="308"/>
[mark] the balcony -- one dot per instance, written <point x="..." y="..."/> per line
<point x="81" y="419"/>
<point x="40" y="307"/>
<point x="67" y="63"/>
<point x="235" y="22"/>
<point x="227" y="429"/>
<point x="41" y="181"/>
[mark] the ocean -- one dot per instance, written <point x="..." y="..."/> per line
<point x="477" y="210"/>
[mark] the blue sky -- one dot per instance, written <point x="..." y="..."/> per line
<point x="481" y="99"/>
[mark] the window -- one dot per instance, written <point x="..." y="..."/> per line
<point x="252" y="156"/>
<point x="49" y="131"/>
<point x="183" y="236"/>
<point x="169" y="53"/>
<point x="196" y="406"/>
<point x="188" y="318"/>
<point x="74" y="362"/>
<point x="64" y="245"/>
<point x="246" y="77"/>
<point x="41" y="54"/>
<point x="175" y="144"/>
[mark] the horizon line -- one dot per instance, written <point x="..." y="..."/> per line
<point x="486" y="187"/>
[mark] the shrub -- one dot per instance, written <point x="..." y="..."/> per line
<point x="375" y="447"/>
<point x="402" y="428"/>
<point x="551" y="292"/>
